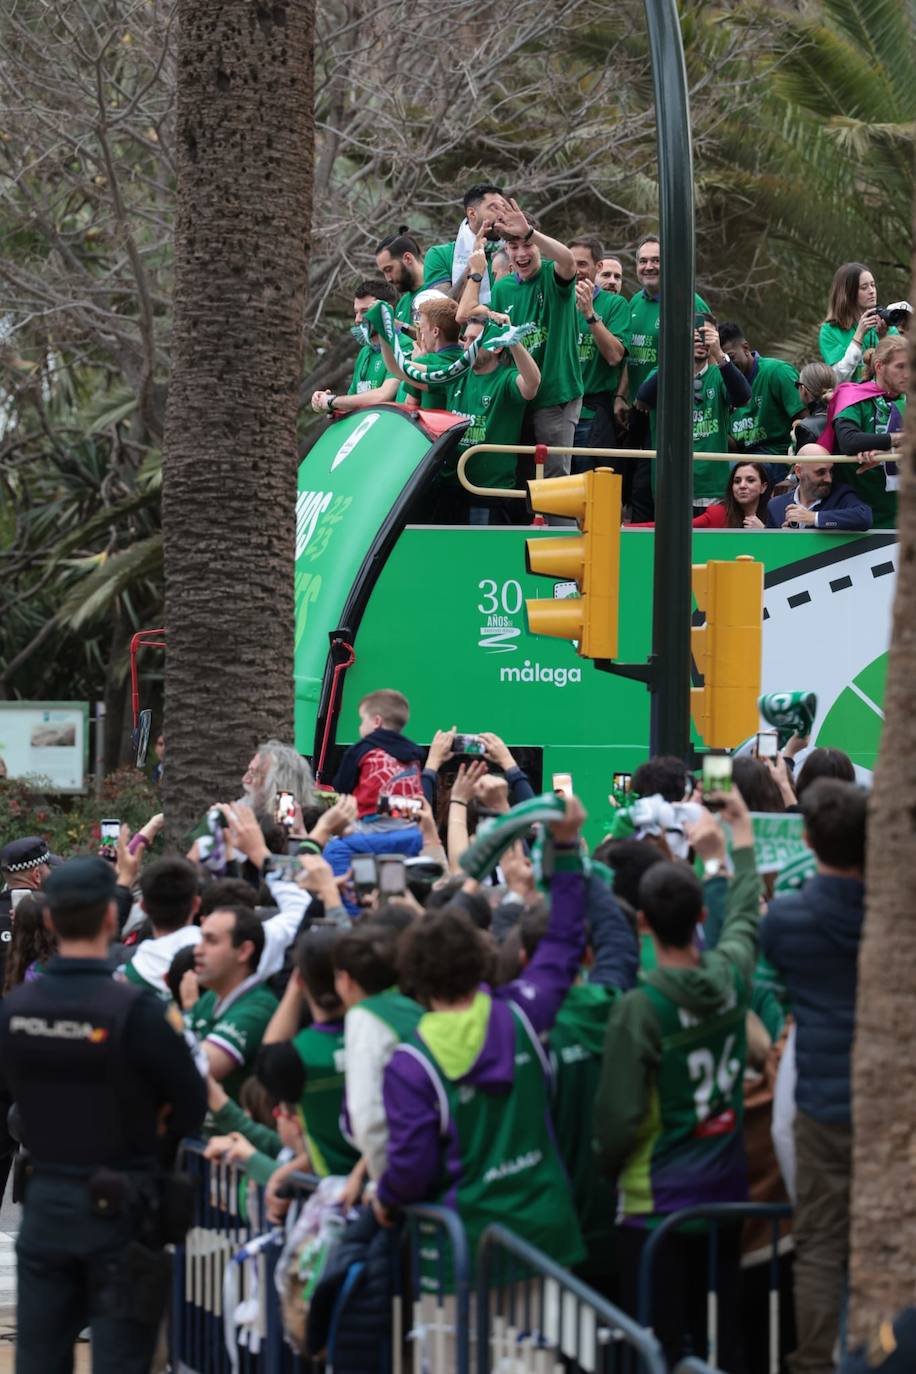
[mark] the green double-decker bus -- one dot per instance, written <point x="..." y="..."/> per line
<point x="438" y="612"/>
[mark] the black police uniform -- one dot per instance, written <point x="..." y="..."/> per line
<point x="91" y="1062"/>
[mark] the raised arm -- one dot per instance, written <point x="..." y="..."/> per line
<point x="529" y="374"/>
<point x="513" y="223"/>
<point x="547" y="979"/>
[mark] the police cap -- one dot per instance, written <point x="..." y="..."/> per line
<point x="80" y="882"/>
<point x="20" y="855"/>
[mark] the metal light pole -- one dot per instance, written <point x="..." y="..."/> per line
<point x="670" y="675"/>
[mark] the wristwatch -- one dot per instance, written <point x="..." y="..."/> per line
<point x="330" y="404"/>
<point x="591" y="319"/>
<point x="475" y="276"/>
<point x="712" y="868"/>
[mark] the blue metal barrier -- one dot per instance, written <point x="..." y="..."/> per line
<point x="530" y="1306"/>
<point x="716" y="1215"/>
<point x="431" y="1277"/>
<point x="229" y="1214"/>
<point x="439" y="1289"/>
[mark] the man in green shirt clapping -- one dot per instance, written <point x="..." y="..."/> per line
<point x="540" y="290"/>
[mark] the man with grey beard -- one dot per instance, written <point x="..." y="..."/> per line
<point x="275" y="768"/>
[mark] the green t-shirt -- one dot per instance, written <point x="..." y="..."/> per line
<point x="437" y="264"/>
<point x="711" y="418"/>
<point x="369" y="371"/>
<point x="834" y="341"/>
<point x="495" y="407"/>
<point x="404" y="308"/>
<point x="871" y="416"/>
<point x="643" y="351"/>
<point x="550" y="305"/>
<point x="764" y="424"/>
<point x="436" y="397"/>
<point x="321" y="1049"/>
<point x="236" y="1027"/>
<point x="597" y="374"/>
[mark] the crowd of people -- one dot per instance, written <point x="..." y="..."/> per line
<point x="567" y="1041"/>
<point x="585" y="376"/>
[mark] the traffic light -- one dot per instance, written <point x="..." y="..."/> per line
<point x="591" y="559"/>
<point x="727" y="650"/>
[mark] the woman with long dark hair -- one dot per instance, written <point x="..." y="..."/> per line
<point x="31" y="947"/>
<point x="853" y="323"/>
<point x="744" y="506"/>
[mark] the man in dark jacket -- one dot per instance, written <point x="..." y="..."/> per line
<point x="812" y="936"/>
<point x="819" y="502"/>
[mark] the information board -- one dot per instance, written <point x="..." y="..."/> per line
<point x="47" y="741"/>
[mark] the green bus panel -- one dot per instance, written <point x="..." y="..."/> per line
<point x="446" y="626"/>
<point x="438" y="613"/>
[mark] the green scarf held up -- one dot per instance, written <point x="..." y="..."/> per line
<point x="493" y="839"/>
<point x="379" y="319"/>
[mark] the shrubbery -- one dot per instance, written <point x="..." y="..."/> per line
<point x="69" y="824"/>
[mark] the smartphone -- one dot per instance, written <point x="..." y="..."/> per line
<point x="717" y="777"/>
<point x="405" y="808"/>
<point x="365" y="873"/>
<point x="287" y="866"/>
<point x="622" y="782"/>
<point x="468" y="744"/>
<point x="767" y="744"/>
<point x="285" y="812"/>
<point x="562" y="783"/>
<point x="392" y="876"/>
<point x="110" y="830"/>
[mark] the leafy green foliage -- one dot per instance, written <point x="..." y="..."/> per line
<point x="71" y="824"/>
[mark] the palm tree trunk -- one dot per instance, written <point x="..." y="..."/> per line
<point x="244" y="193"/>
<point x="883" y="1234"/>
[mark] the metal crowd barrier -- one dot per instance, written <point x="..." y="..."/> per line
<point x="229" y="1218"/>
<point x="438" y="1288"/>
<point x="533" y="1315"/>
<point x="716" y="1215"/>
<point x="430" y="1282"/>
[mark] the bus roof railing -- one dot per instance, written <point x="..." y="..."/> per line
<point x="542" y="450"/>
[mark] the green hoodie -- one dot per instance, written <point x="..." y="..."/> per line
<point x="669" y="1110"/>
<point x="576" y="1043"/>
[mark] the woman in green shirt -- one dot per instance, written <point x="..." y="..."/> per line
<point x="867" y="420"/>
<point x="853" y="323"/>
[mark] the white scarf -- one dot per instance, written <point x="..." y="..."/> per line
<point x="464" y="247"/>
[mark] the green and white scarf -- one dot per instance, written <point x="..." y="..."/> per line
<point x="380" y="320"/>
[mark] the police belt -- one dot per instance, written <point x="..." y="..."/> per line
<point x="151" y="1199"/>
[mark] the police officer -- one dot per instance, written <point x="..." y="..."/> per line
<point x="24" y="865"/>
<point x="105" y="1087"/>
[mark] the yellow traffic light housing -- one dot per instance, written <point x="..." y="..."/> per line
<point x="591" y="559"/>
<point x="728" y="650"/>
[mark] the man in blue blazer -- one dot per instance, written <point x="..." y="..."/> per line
<point x="818" y="502"/>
